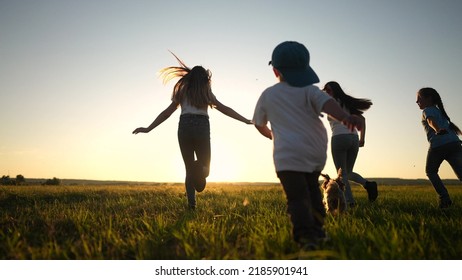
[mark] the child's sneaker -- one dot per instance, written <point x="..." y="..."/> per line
<point x="200" y="173"/>
<point x="371" y="188"/>
<point x="445" y="203"/>
<point x="307" y="244"/>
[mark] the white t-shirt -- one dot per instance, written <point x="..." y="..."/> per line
<point x="338" y="127"/>
<point x="187" y="108"/>
<point x="299" y="136"/>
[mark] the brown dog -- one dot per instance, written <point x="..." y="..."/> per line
<point x="334" y="196"/>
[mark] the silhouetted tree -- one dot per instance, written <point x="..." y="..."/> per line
<point x="20" y="180"/>
<point x="53" y="182"/>
<point x="6" y="180"/>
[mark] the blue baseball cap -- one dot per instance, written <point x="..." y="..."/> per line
<point x="292" y="59"/>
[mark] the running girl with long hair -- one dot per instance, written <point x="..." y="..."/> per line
<point x="193" y="93"/>
<point x="345" y="143"/>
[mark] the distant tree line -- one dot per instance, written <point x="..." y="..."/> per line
<point x="20" y="180"/>
<point x="7" y="181"/>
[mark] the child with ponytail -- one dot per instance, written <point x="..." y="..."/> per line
<point x="445" y="144"/>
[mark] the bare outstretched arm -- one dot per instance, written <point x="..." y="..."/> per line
<point x="165" y="114"/>
<point x="434" y="125"/>
<point x="230" y="112"/>
<point x="362" y="133"/>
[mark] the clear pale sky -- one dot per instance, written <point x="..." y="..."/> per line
<point x="77" y="77"/>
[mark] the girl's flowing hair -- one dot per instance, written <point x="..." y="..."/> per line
<point x="194" y="85"/>
<point x="436" y="99"/>
<point x="354" y="105"/>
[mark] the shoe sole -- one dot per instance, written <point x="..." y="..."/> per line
<point x="199" y="186"/>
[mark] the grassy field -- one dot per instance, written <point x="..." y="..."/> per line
<point x="232" y="221"/>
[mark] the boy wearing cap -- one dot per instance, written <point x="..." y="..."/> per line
<point x="293" y="108"/>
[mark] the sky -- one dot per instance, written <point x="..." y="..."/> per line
<point x="77" y="77"/>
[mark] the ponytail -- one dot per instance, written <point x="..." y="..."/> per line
<point x="355" y="106"/>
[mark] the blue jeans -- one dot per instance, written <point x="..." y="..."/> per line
<point x="452" y="153"/>
<point x="304" y="204"/>
<point x="194" y="140"/>
<point x="345" y="149"/>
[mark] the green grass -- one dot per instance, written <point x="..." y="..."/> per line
<point x="232" y="221"/>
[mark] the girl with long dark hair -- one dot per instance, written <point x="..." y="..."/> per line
<point x="193" y="93"/>
<point x="345" y="143"/>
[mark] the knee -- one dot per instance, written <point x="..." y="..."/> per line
<point x="431" y="170"/>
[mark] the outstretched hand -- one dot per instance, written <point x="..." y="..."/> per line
<point x="140" y="129"/>
<point x="265" y="131"/>
<point x="353" y="122"/>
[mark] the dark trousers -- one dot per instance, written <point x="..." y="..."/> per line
<point x="452" y="153"/>
<point x="304" y="204"/>
<point x="194" y="140"/>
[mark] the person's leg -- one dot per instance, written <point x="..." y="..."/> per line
<point x="351" y="152"/>
<point x="351" y="160"/>
<point x="306" y="221"/>
<point x="352" y="149"/>
<point x="319" y="212"/>
<point x="454" y="158"/>
<point x="185" y="141"/>
<point x="352" y="155"/>
<point x="369" y="186"/>
<point x="339" y="147"/>
<point x="203" y="152"/>
<point x="452" y="153"/>
<point x="203" y="147"/>
<point x="357" y="178"/>
<point x="434" y="160"/>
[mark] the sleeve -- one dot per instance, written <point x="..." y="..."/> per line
<point x="260" y="117"/>
<point x="429" y="112"/>
<point x="317" y="99"/>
